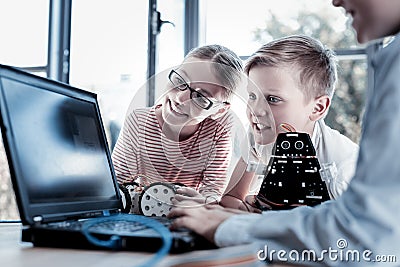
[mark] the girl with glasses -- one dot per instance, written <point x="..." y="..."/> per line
<point x="185" y="138"/>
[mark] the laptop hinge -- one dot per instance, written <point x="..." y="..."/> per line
<point x="73" y="216"/>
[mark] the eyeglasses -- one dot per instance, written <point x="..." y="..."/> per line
<point x="198" y="98"/>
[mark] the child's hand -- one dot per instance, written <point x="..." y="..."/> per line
<point x="231" y="201"/>
<point x="250" y="204"/>
<point x="188" y="194"/>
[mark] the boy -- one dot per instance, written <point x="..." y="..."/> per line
<point x="366" y="215"/>
<point x="186" y="138"/>
<point x="282" y="83"/>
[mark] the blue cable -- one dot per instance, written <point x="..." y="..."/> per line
<point x="115" y="241"/>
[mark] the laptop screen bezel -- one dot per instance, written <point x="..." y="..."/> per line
<point x="46" y="212"/>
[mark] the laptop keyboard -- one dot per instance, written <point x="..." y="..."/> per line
<point x="106" y="227"/>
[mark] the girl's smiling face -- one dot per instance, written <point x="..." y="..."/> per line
<point x="178" y="108"/>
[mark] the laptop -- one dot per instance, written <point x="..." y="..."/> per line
<point x="61" y="168"/>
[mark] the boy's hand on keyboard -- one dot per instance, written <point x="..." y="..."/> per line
<point x="203" y="219"/>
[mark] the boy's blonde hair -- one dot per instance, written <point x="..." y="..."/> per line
<point x="228" y="66"/>
<point x="316" y="64"/>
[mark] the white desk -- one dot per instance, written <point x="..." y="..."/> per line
<point x="15" y="253"/>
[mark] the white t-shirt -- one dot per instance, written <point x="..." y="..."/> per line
<point x="335" y="152"/>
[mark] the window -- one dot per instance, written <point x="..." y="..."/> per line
<point x="109" y="53"/>
<point x="24" y="34"/>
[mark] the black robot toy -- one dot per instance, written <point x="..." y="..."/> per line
<point x="292" y="177"/>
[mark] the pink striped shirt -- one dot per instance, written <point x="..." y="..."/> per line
<point x="200" y="162"/>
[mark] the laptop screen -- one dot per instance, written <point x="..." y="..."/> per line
<point x="57" y="143"/>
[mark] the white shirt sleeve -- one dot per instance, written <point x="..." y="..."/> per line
<point x="235" y="230"/>
<point x="337" y="155"/>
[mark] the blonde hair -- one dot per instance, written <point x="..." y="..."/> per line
<point x="228" y="67"/>
<point x="316" y="64"/>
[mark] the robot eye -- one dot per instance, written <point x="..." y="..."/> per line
<point x="285" y="144"/>
<point x="299" y="145"/>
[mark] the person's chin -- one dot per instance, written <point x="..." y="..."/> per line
<point x="362" y="35"/>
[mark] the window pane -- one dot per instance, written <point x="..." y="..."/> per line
<point x="109" y="53"/>
<point x="258" y="21"/>
<point x="8" y="206"/>
<point x="345" y="113"/>
<point x="24" y="31"/>
<point x="170" y="40"/>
